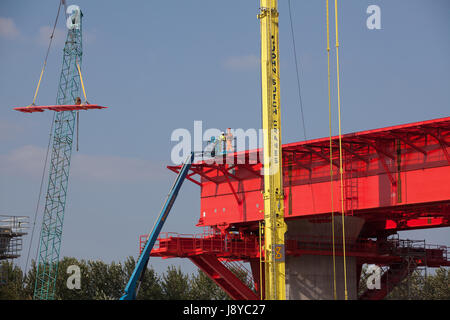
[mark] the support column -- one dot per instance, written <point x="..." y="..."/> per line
<point x="310" y="277"/>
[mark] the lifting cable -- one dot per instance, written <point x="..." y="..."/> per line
<point x="340" y="150"/>
<point x="297" y="72"/>
<point x="46" y="55"/>
<point x="85" y="101"/>
<point x="340" y="153"/>
<point x="82" y="83"/>
<point x="49" y="139"/>
<point x="331" y="155"/>
<point x="40" y="194"/>
<point x="299" y="92"/>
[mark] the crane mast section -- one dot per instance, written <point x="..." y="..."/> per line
<point x="55" y="201"/>
<point x="274" y="224"/>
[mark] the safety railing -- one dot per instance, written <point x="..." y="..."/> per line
<point x="231" y="245"/>
<point x="399" y="247"/>
<point x="320" y="243"/>
<point x="10" y="248"/>
<point x="17" y="224"/>
<point x="239" y="269"/>
<point x="12" y="228"/>
<point x="189" y="244"/>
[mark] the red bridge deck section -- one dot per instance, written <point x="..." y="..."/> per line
<point x="396" y="178"/>
<point x="59" y="108"/>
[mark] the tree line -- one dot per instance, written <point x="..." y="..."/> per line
<point x="102" y="281"/>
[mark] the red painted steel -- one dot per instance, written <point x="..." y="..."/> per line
<point x="224" y="246"/>
<point x="58" y="108"/>
<point x="394" y="174"/>
<point x="235" y="247"/>
<point x="225" y="278"/>
<point x="395" y="178"/>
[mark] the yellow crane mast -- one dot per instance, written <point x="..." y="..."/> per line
<point x="274" y="224"/>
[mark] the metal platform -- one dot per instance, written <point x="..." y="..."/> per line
<point x="212" y="252"/>
<point x="59" y="108"/>
<point x="174" y="245"/>
<point x="12" y="230"/>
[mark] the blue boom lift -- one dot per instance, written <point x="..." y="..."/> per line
<point x="141" y="265"/>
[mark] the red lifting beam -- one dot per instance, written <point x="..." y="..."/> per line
<point x="58" y="108"/>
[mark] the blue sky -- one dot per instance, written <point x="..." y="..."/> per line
<point x="160" y="65"/>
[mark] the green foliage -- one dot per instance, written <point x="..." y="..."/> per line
<point x="175" y="284"/>
<point x="150" y="288"/>
<point x="12" y="283"/>
<point x="410" y="288"/>
<point x="438" y="286"/>
<point x="203" y="288"/>
<point x="61" y="290"/>
<point x="102" y="281"/>
<point x="435" y="286"/>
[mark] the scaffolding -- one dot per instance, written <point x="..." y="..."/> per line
<point x="413" y="264"/>
<point x="408" y="273"/>
<point x="12" y="230"/>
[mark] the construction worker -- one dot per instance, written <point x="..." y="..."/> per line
<point x="222" y="139"/>
<point x="213" y="143"/>
<point x="78" y="101"/>
<point x="229" y="138"/>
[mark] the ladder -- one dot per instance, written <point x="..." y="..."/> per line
<point x="350" y="184"/>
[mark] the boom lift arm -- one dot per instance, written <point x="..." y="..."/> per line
<point x="141" y="265"/>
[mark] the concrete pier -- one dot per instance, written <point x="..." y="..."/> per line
<point x="311" y="277"/>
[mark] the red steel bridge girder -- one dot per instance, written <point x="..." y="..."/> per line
<point x="395" y="178"/>
<point x="395" y="169"/>
<point x="207" y="251"/>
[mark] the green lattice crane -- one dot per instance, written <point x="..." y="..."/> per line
<point x="69" y="90"/>
<point x="68" y="104"/>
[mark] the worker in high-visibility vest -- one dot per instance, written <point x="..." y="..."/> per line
<point x="222" y="139"/>
<point x="213" y="144"/>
